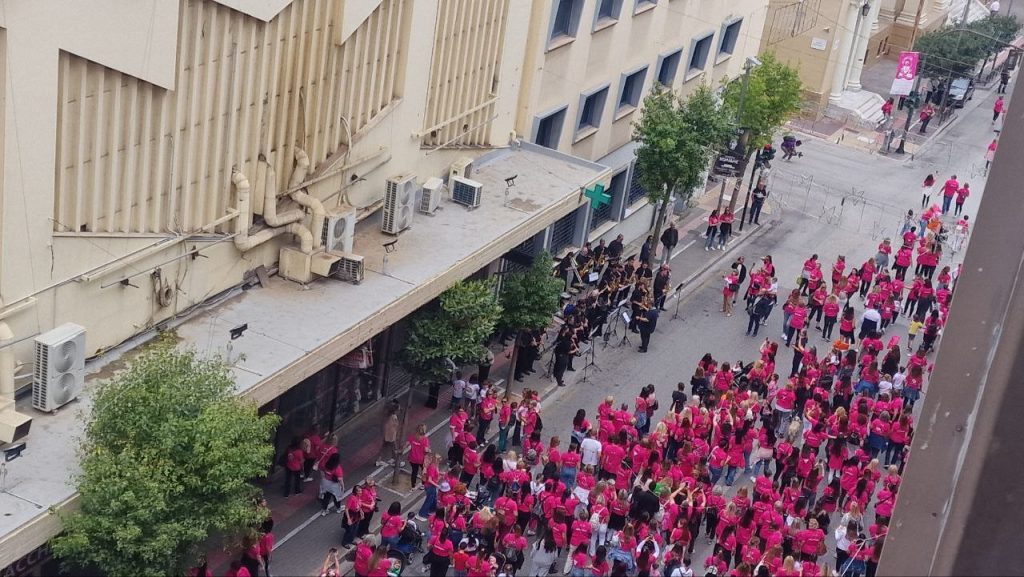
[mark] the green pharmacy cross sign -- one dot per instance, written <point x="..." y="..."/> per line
<point x="598" y="197"/>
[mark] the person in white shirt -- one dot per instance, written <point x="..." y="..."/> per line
<point x="590" y="450"/>
<point x="470" y="393"/>
<point x="993" y="8"/>
<point x="458" y="389"/>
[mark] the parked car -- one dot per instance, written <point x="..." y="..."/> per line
<point x="961" y="90"/>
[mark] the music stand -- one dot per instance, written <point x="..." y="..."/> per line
<point x="590" y="354"/>
<point x="679" y="289"/>
<point x="625" y="333"/>
<point x="613" y="320"/>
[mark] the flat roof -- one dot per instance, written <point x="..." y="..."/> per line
<point x="294" y="330"/>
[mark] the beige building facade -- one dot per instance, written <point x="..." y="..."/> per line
<point x="588" y="65"/>
<point x="159" y="156"/>
<point x="832" y="41"/>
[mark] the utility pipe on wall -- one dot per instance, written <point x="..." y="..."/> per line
<point x="245" y="242"/>
<point x="270" y="215"/>
<point x="304" y="199"/>
<point x="6" y="362"/>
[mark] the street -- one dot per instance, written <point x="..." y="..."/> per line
<point x="834" y="200"/>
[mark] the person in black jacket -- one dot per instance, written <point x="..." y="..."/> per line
<point x="645" y="250"/>
<point x="661" y="286"/>
<point x="669" y="240"/>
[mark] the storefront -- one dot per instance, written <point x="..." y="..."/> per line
<point x="334" y="395"/>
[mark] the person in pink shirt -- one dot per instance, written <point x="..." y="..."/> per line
<point x="712" y="231"/>
<point x="948" y="191"/>
<point x="990" y="153"/>
<point x="797" y="320"/>
<point x="961" y="197"/>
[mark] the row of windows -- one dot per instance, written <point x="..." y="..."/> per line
<point x="591" y="106"/>
<point x="565" y="23"/>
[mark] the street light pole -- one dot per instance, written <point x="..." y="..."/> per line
<point x="748" y="65"/>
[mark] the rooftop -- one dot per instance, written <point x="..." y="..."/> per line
<point x="296" y="330"/>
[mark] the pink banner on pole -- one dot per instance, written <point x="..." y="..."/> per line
<point x="906" y="73"/>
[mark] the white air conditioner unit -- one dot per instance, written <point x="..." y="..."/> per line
<point x="399" y="204"/>
<point x="461" y="168"/>
<point x="348" y="268"/>
<point x="59" y="367"/>
<point x="431" y="195"/>
<point x="465" y="191"/>
<point x="339" y="231"/>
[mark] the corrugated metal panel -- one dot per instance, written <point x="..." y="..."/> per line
<point x="468" y="40"/>
<point x="133" y="157"/>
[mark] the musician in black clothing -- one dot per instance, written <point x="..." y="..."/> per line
<point x="638" y="302"/>
<point x="648" y="322"/>
<point x="615" y="248"/>
<point x="565" y="348"/>
<point x="599" y="250"/>
<point x="661" y="285"/>
<point x="524" y="362"/>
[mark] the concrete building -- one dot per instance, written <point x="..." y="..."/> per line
<point x="589" y="64"/>
<point x="832" y="41"/>
<point x="163" y="159"/>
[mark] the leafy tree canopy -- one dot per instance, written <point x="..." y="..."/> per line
<point x="955" y="52"/>
<point x="677" y="138"/>
<point x="167" y="460"/>
<point x="772" y="97"/>
<point x="465" y="315"/>
<point x="529" y="298"/>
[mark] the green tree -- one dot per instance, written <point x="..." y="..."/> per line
<point x="167" y="461"/>
<point x="455" y="329"/>
<point x="528" y="300"/>
<point x="764" y="99"/>
<point x="945" y="52"/>
<point x="677" y="139"/>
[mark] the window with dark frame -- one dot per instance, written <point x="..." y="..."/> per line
<point x="730" y="36"/>
<point x="699" y="56"/>
<point x="592" y="109"/>
<point x="632" y="87"/>
<point x="566" y="19"/>
<point x="549" y="129"/>
<point x="608" y="9"/>
<point x="669" y="67"/>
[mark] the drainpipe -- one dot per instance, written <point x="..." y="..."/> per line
<point x="270" y="215"/>
<point x="6" y="362"/>
<point x="243" y="241"/>
<point x="319" y="215"/>
<point x="304" y="199"/>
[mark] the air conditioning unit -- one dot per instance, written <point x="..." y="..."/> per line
<point x="462" y="168"/>
<point x="465" y="191"/>
<point x="348" y="268"/>
<point x="399" y="203"/>
<point x="60" y="367"/>
<point x="339" y="231"/>
<point x="431" y="195"/>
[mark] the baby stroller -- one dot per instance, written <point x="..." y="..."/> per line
<point x="409" y="542"/>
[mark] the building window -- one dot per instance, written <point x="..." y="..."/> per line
<point x="630" y="89"/>
<point x="591" y="111"/>
<point x="668" y="67"/>
<point x="610" y="211"/>
<point x="730" y="35"/>
<point x="563" y="233"/>
<point x="636" y="190"/>
<point x="565" y="20"/>
<point x="699" y="55"/>
<point x="644" y="5"/>
<point x="548" y="128"/>
<point x="607" y="13"/>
